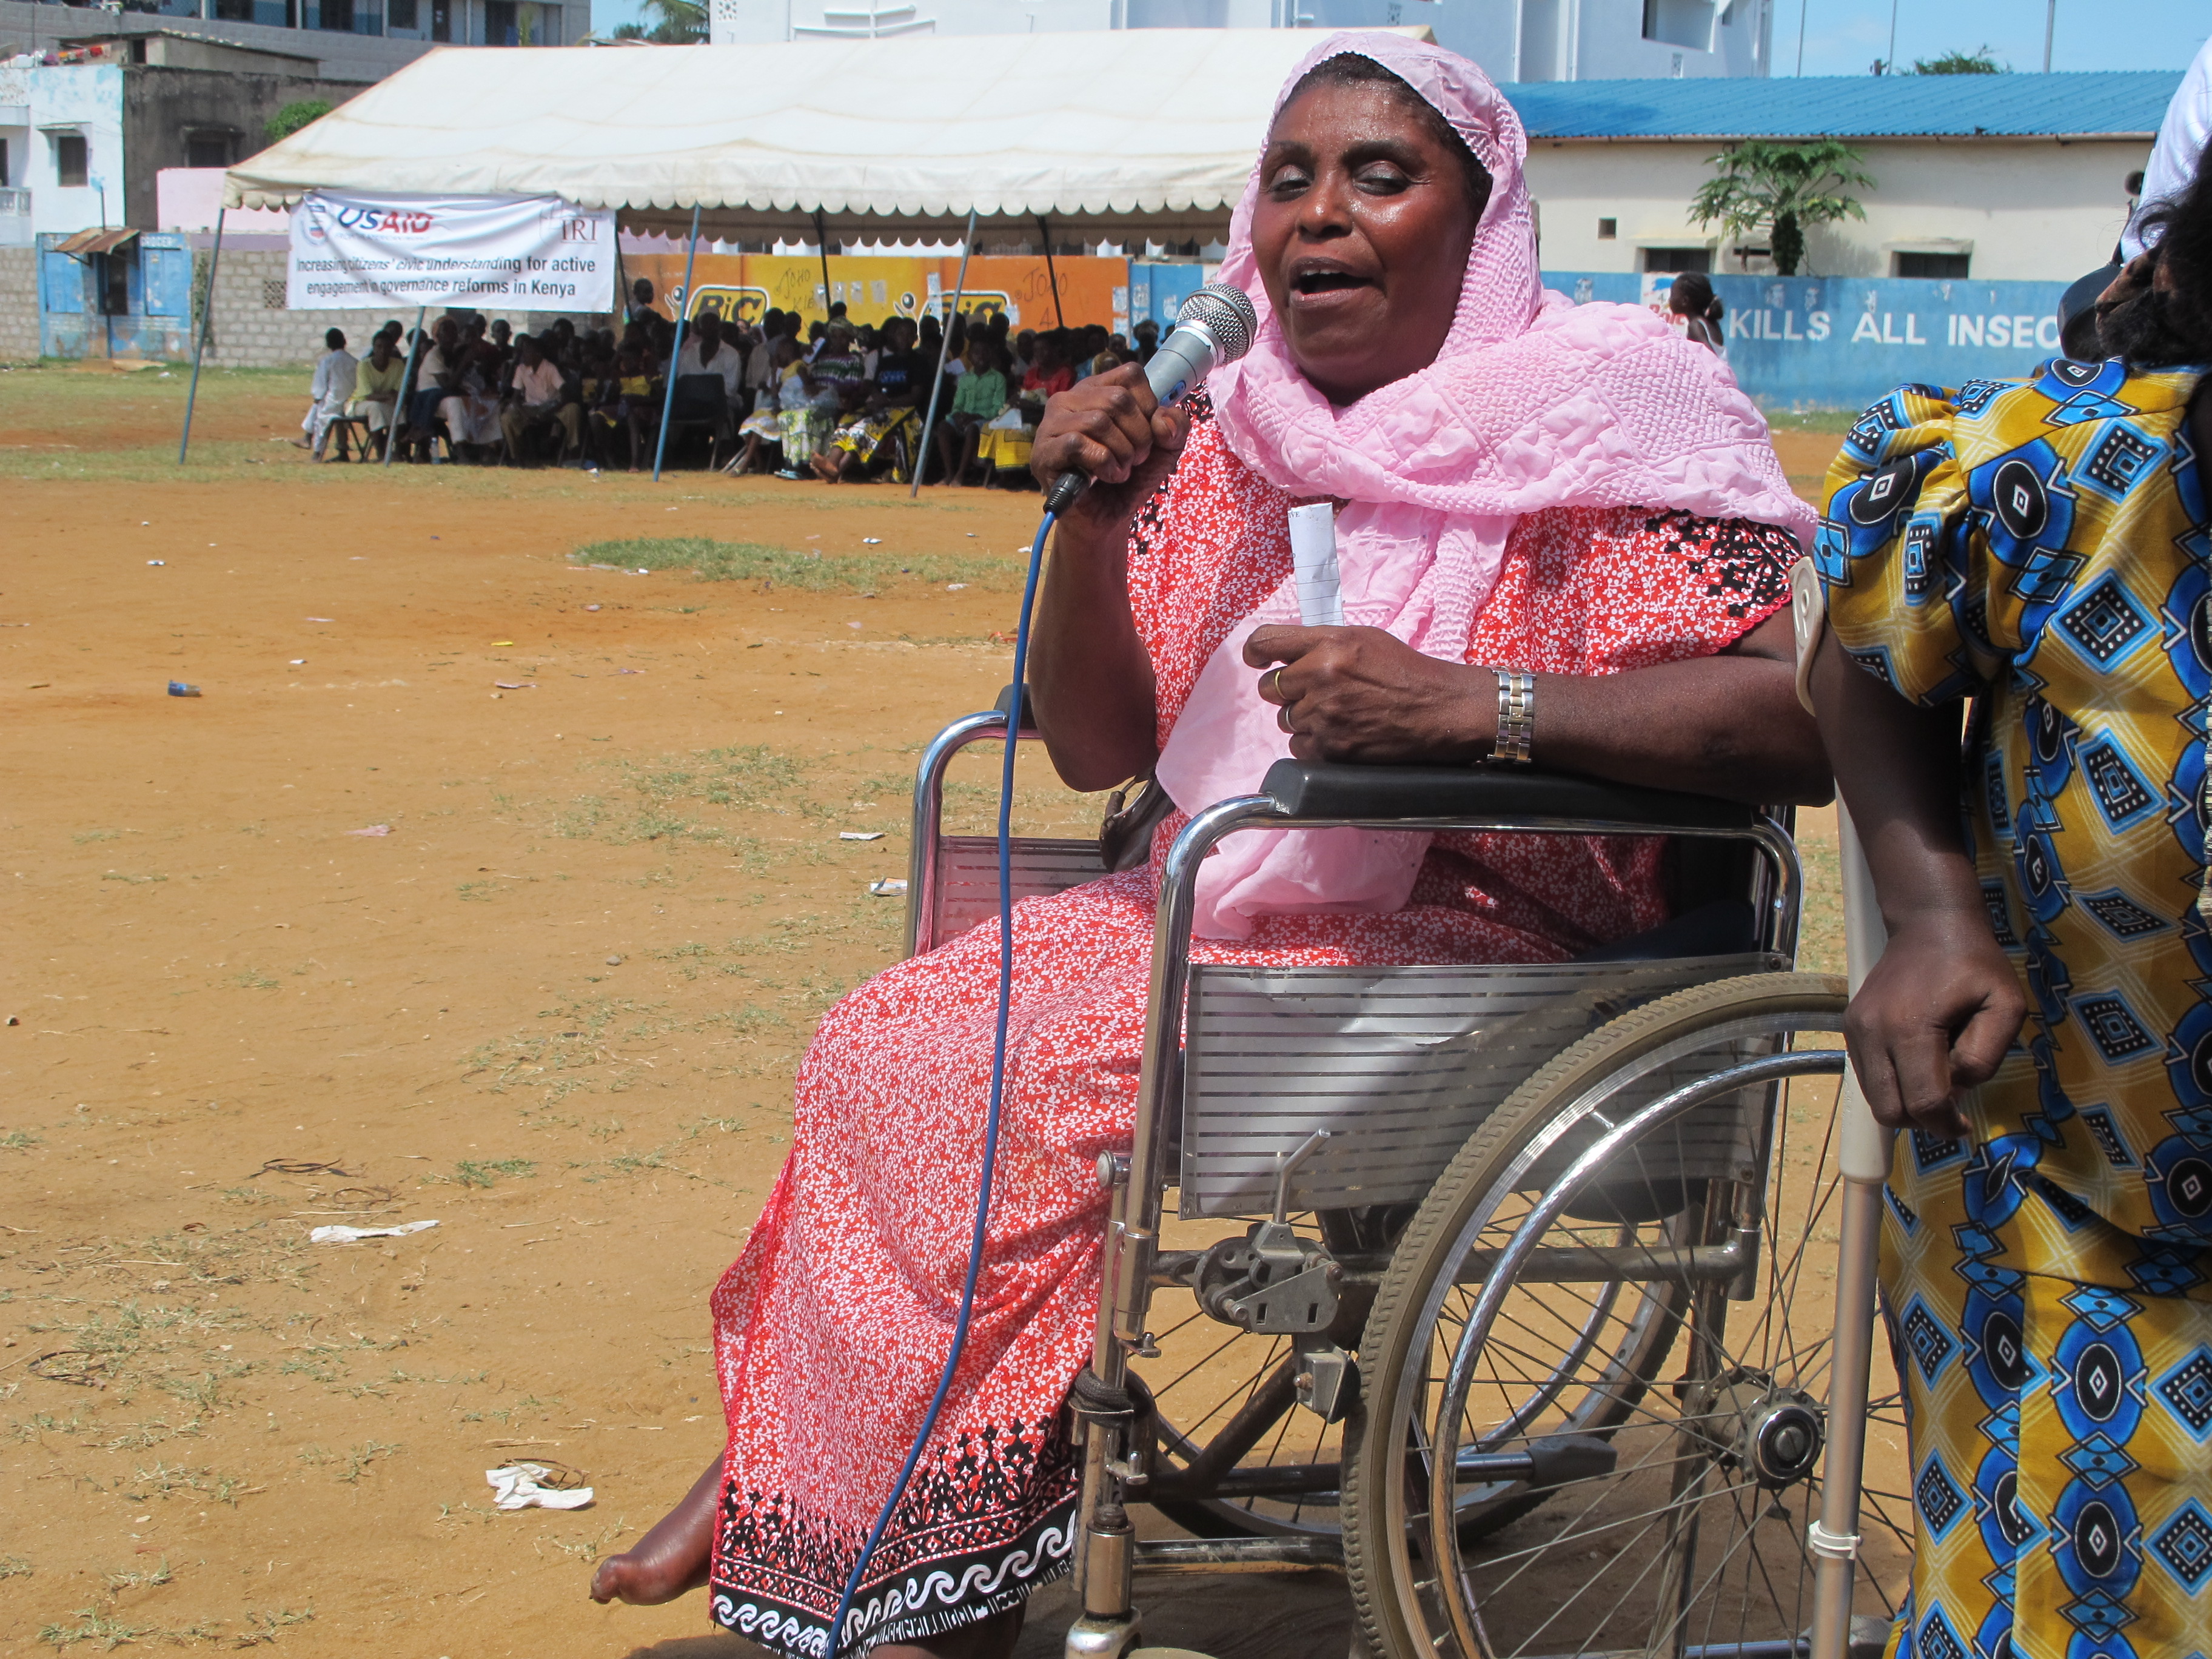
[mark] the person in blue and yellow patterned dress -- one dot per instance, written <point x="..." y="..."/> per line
<point x="2041" y="1020"/>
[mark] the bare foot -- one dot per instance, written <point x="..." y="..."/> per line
<point x="672" y="1559"/>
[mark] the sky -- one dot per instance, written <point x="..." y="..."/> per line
<point x="1843" y="37"/>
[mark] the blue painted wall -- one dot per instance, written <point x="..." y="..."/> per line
<point x="157" y="321"/>
<point x="1840" y="343"/>
<point x="1158" y="291"/>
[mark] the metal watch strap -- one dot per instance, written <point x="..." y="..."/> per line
<point x="1516" y="717"/>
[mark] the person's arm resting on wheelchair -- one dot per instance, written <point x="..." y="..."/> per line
<point x="1727" y="725"/>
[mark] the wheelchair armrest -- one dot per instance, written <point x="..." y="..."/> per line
<point x="1028" y="707"/>
<point x="1311" y="789"/>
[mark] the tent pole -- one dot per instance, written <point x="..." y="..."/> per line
<point x="406" y="375"/>
<point x="668" y="398"/>
<point x="944" y="352"/>
<point x="1059" y="317"/>
<point x="822" y="248"/>
<point x="207" y="316"/>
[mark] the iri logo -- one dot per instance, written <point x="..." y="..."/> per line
<point x="579" y="230"/>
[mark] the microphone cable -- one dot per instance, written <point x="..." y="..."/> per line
<point x="998" y="1090"/>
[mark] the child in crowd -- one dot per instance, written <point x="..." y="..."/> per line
<point x="764" y="426"/>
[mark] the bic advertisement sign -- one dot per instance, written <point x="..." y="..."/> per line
<point x="529" y="253"/>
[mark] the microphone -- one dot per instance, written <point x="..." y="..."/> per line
<point x="1214" y="325"/>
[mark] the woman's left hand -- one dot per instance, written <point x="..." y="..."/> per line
<point x="1361" y="695"/>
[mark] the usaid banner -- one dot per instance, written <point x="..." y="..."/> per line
<point x="524" y="253"/>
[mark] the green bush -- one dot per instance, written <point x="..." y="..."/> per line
<point x="294" y="116"/>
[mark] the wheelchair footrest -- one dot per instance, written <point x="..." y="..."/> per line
<point x="1239" y="1555"/>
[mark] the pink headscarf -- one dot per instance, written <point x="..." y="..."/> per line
<point x="1532" y="403"/>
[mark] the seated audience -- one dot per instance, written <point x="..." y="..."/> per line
<point x="334" y="373"/>
<point x="979" y="398"/>
<point x="534" y="402"/>
<point x="471" y="410"/>
<point x="883" y="437"/>
<point x="376" y="388"/>
<point x="437" y="373"/>
<point x="763" y="429"/>
<point x="626" y="403"/>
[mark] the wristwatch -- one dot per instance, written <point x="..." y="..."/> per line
<point x="1516" y="717"/>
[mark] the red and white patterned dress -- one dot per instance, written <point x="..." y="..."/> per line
<point x="831" y="1328"/>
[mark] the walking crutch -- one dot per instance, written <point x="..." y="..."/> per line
<point x="1864" y="1148"/>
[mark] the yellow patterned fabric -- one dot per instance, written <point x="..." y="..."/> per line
<point x="2041" y="550"/>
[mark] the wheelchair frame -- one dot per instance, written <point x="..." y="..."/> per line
<point x="1296" y="795"/>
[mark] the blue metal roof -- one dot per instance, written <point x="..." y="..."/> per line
<point x="2110" y="102"/>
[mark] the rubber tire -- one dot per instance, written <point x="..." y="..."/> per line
<point x="1466" y="1182"/>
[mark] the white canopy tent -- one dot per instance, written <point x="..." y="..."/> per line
<point x="1129" y="135"/>
<point x="1122" y="136"/>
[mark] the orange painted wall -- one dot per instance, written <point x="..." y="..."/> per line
<point x="874" y="286"/>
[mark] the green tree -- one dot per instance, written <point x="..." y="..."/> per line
<point x="1782" y="190"/>
<point x="290" y="119"/>
<point x="1962" y="62"/>
<point x="678" y="23"/>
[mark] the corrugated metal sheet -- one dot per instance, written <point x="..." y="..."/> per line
<point x="2115" y="103"/>
<point x="96" y="241"/>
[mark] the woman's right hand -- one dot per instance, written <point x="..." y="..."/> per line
<point x="1934" y="1018"/>
<point x="1113" y="430"/>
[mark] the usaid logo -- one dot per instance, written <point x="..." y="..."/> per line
<point x="389" y="221"/>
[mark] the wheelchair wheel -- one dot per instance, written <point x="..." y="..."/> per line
<point x="1607" y="1497"/>
<point x="1223" y="1399"/>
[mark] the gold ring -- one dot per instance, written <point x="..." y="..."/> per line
<point x="1277" y="675"/>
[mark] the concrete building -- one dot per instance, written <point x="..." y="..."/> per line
<point x="351" y="40"/>
<point x="1513" y="40"/>
<point x="81" y="142"/>
<point x="1981" y="177"/>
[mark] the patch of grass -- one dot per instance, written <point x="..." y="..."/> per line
<point x="18" y="1140"/>
<point x="124" y="1578"/>
<point x="94" y="1625"/>
<point x="136" y="881"/>
<point x="14" y="1567"/>
<point x="1821" y="929"/>
<point x="812" y="573"/>
<point x="84" y="835"/>
<point x="664" y="799"/>
<point x="263" y="1627"/>
<point x="166" y="1480"/>
<point x="350" y="1464"/>
<point x="1833" y="421"/>
<point x="252" y="979"/>
<point x="485" y="1172"/>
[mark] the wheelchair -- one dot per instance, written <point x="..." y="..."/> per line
<point x="1509" y="1293"/>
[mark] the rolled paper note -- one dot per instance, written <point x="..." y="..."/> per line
<point x="1313" y="563"/>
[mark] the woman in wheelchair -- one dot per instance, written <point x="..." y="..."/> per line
<point x="1574" y="497"/>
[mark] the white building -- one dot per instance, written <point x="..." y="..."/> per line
<point x="1983" y="177"/>
<point x="1513" y="40"/>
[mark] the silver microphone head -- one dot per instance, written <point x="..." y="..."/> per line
<point x="1226" y="314"/>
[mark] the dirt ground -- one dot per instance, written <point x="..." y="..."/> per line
<point x="474" y="887"/>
